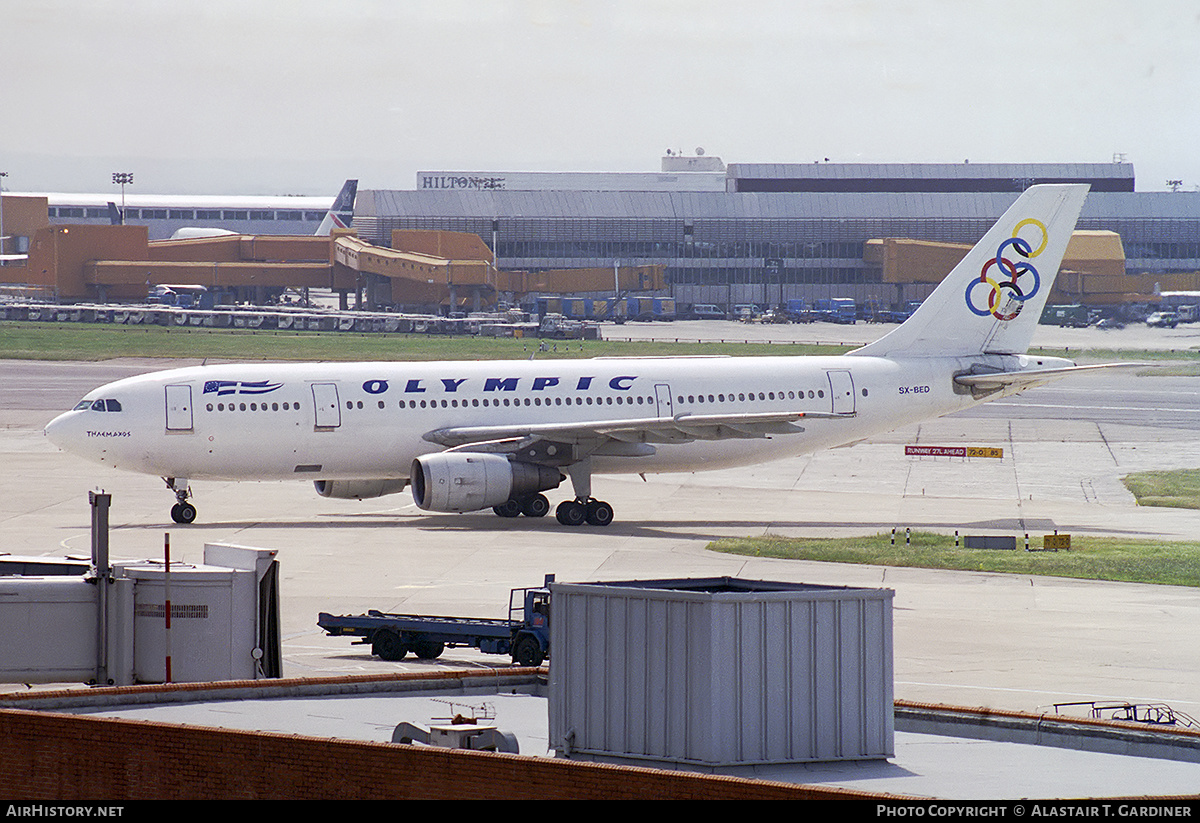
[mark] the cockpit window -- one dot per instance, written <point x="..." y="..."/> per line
<point x="108" y="404"/>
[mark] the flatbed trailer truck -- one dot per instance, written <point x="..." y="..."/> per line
<point x="525" y="635"/>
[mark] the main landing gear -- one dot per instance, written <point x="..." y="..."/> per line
<point x="583" y="509"/>
<point x="577" y="512"/>
<point x="535" y="506"/>
<point x="182" y="512"/>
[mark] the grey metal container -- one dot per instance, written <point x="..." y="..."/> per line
<point x="721" y="671"/>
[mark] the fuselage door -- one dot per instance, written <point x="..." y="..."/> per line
<point x="179" y="408"/>
<point x="325" y="402"/>
<point x="662" y="396"/>
<point x="841" y="392"/>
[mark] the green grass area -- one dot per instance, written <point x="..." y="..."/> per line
<point x="1179" y="489"/>
<point x="1090" y="558"/>
<point x="79" y="341"/>
<point x="1109" y="355"/>
<point x="82" y="341"/>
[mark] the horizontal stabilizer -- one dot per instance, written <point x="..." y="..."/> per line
<point x="1033" y="377"/>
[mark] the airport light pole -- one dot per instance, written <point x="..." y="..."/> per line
<point x="122" y="178"/>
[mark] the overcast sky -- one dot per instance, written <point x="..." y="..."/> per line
<point x="293" y="96"/>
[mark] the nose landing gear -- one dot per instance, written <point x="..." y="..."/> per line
<point x="182" y="512"/>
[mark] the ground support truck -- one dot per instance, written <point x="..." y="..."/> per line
<point x="525" y="635"/>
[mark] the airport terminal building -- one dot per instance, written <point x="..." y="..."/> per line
<point x="767" y="233"/>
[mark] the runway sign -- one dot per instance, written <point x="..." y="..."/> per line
<point x="954" y="451"/>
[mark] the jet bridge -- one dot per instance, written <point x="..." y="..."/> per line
<point x="91" y="621"/>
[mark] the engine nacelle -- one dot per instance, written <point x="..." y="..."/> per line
<point x="466" y="482"/>
<point x="358" y="489"/>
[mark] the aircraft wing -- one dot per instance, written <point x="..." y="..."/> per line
<point x="1031" y="378"/>
<point x="630" y="437"/>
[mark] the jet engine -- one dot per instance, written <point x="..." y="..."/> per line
<point x="359" y="489"/>
<point x="466" y="482"/>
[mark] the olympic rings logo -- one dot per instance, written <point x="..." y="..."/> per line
<point x="1022" y="290"/>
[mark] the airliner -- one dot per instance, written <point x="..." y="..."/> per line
<point x="339" y="216"/>
<point x="163" y="214"/>
<point x="468" y="436"/>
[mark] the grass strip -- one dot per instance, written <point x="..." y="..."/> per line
<point x="1178" y="489"/>
<point x="54" y="341"/>
<point x="1127" y="560"/>
<point x="21" y="340"/>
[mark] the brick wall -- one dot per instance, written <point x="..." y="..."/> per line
<point x="46" y="756"/>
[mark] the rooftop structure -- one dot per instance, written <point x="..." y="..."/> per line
<point x="780" y="232"/>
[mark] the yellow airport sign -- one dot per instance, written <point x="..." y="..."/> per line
<point x="954" y="451"/>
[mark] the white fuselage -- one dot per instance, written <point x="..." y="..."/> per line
<point x="368" y="420"/>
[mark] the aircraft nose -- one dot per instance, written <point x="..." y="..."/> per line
<point x="60" y="429"/>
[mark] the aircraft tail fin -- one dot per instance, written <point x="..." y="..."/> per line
<point x="115" y="217"/>
<point x="992" y="300"/>
<point x="341" y="212"/>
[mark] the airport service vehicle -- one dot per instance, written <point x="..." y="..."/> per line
<point x="746" y="312"/>
<point x="799" y="312"/>
<point x="1070" y="316"/>
<point x="1163" y="320"/>
<point x="706" y="311"/>
<point x="525" y="635"/>
<point x="650" y="308"/>
<point x="836" y="310"/>
<point x="469" y="436"/>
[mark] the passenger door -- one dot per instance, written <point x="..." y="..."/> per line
<point x="179" y="408"/>
<point x="328" y="411"/>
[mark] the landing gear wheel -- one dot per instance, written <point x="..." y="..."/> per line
<point x="599" y="513"/>
<point x="509" y="509"/>
<point x="183" y="513"/>
<point x="428" y="649"/>
<point x="536" y="506"/>
<point x="387" y="645"/>
<point x="571" y="513"/>
<point x="528" y="652"/>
